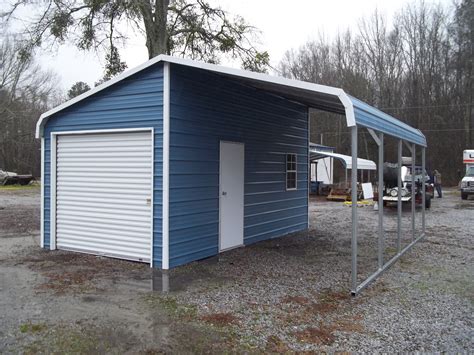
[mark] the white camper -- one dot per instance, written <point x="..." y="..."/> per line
<point x="467" y="182"/>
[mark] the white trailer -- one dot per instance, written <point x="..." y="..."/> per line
<point x="467" y="182"/>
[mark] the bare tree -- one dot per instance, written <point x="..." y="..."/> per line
<point x="25" y="92"/>
<point x="419" y="69"/>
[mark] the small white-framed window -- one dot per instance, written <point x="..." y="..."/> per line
<point x="291" y="174"/>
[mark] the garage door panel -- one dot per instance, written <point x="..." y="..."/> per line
<point x="137" y="212"/>
<point x="99" y="185"/>
<point x="103" y="181"/>
<point x="99" y="197"/>
<point x="105" y="206"/>
<point x="119" y="218"/>
<point x="101" y="174"/>
<point x="103" y="194"/>
<point x="110" y="240"/>
<point x="100" y="227"/>
<point x="89" y="231"/>
<point x="121" y="253"/>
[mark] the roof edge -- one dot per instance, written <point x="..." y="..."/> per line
<point x="125" y="74"/>
<point x="210" y="67"/>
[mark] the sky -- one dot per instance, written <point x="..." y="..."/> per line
<point x="283" y="25"/>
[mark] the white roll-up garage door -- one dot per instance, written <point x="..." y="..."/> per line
<point x="103" y="194"/>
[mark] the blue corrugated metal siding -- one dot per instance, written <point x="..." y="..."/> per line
<point x="135" y="102"/>
<point x="370" y="117"/>
<point x="205" y="109"/>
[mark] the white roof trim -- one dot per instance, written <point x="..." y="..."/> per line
<point x="362" y="164"/>
<point x="214" y="68"/>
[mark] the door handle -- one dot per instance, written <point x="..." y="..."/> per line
<point x="224" y="193"/>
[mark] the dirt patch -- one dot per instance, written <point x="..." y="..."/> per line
<point x="299" y="300"/>
<point x="276" y="346"/>
<point x="68" y="272"/>
<point x="220" y="319"/>
<point x="325" y="333"/>
<point x="318" y="336"/>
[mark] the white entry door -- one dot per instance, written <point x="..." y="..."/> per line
<point x="231" y="192"/>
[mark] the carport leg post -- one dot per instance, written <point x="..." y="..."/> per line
<point x="354" y="207"/>
<point x="380" y="193"/>
<point x="399" y="200"/>
<point x="423" y="186"/>
<point x="413" y="188"/>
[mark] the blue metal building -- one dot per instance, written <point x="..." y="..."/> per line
<point x="177" y="160"/>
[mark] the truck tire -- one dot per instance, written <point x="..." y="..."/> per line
<point x="428" y="202"/>
<point x="464" y="196"/>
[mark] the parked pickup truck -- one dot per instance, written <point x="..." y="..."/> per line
<point x="467" y="182"/>
<point x="10" y="178"/>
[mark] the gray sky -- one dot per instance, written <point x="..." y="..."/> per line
<point x="283" y="24"/>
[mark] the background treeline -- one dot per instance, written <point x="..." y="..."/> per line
<point x="26" y="91"/>
<point x="416" y="67"/>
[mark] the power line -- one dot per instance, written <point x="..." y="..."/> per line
<point x="423" y="130"/>
<point x="418" y="107"/>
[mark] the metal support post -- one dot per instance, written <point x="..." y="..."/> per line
<point x="380" y="193"/>
<point x="354" y="207"/>
<point x="399" y="201"/>
<point x="423" y="186"/>
<point x="413" y="189"/>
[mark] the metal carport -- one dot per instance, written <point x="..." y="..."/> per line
<point x="359" y="115"/>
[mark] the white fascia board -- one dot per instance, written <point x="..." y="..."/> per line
<point x="208" y="67"/>
<point x="349" y="107"/>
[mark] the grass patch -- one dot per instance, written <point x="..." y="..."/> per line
<point x="171" y="306"/>
<point x="19" y="187"/>
<point x="32" y="327"/>
<point x="81" y="340"/>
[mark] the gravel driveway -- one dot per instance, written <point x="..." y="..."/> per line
<point x="285" y="295"/>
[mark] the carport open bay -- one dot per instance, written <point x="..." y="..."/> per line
<point x="284" y="294"/>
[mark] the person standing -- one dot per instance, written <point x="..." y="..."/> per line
<point x="437" y="183"/>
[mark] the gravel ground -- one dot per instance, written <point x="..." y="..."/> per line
<point x="284" y="295"/>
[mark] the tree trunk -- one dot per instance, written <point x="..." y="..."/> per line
<point x="155" y="26"/>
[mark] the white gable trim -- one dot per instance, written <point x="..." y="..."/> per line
<point x="209" y="67"/>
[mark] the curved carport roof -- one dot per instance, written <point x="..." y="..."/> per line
<point x="362" y="164"/>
